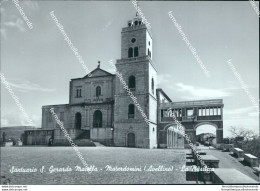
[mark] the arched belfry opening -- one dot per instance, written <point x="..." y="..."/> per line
<point x="130" y="52"/>
<point x="136" y="53"/>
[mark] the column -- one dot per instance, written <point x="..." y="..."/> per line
<point x="176" y="140"/>
<point x="167" y="138"/>
<point x="170" y="133"/>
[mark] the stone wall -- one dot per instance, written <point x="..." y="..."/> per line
<point x="37" y="137"/>
<point x="73" y="133"/>
<point x="89" y="86"/>
<point x="103" y="135"/>
<point x="139" y="33"/>
<point x="190" y="130"/>
<point x="139" y="129"/>
<point x="49" y="122"/>
<point x="14" y="133"/>
<point x="145" y="136"/>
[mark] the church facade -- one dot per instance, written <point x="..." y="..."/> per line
<point x="100" y="106"/>
<point x="101" y="110"/>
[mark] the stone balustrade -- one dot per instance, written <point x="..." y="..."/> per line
<point x="251" y="159"/>
<point x="228" y="147"/>
<point x="230" y="176"/>
<point x="239" y="153"/>
<point x="219" y="175"/>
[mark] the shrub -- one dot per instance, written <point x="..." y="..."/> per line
<point x="252" y="147"/>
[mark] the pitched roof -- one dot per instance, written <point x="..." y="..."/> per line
<point x="96" y="73"/>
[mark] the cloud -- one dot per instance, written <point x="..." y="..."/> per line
<point x="32" y="5"/>
<point x="107" y="25"/>
<point x="3" y="33"/>
<point x="164" y="79"/>
<point x="19" y="24"/>
<point x="2" y="1"/>
<point x="8" y="119"/>
<point x="246" y="112"/>
<point x="15" y="21"/>
<point x="2" y="10"/>
<point x="192" y="92"/>
<point x="254" y="114"/>
<point x="241" y="110"/>
<point x="27" y="86"/>
<point x="110" y="70"/>
<point x="2" y="14"/>
<point x="4" y="122"/>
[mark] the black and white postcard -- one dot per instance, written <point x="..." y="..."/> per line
<point x="129" y="93"/>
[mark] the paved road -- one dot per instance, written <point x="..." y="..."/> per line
<point x="29" y="157"/>
<point x="228" y="161"/>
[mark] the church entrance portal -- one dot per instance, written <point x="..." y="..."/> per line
<point x="131" y="140"/>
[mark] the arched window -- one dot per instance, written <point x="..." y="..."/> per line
<point x="136" y="22"/>
<point x="78" y="92"/>
<point x="130" y="52"/>
<point x="136" y="51"/>
<point x="97" y="119"/>
<point x="98" y="91"/>
<point x="78" y="120"/>
<point x="152" y="86"/>
<point x="131" y="111"/>
<point x="129" y="24"/>
<point x="140" y="22"/>
<point x="131" y="82"/>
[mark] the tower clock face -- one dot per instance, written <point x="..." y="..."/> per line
<point x="133" y="40"/>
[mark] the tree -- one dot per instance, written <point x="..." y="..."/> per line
<point x="248" y="134"/>
<point x="251" y="143"/>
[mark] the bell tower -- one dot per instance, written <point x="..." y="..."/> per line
<point x="136" y="40"/>
<point x="140" y="74"/>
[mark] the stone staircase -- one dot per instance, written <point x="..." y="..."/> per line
<point x="78" y="142"/>
<point x="84" y="142"/>
<point x="99" y="144"/>
<point x="84" y="135"/>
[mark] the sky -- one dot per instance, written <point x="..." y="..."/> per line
<point x="38" y="63"/>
